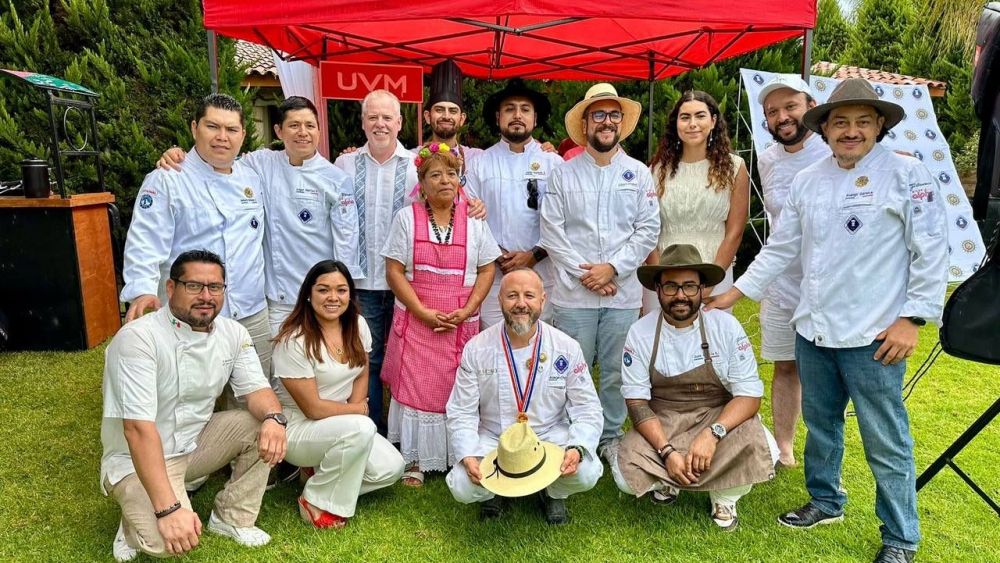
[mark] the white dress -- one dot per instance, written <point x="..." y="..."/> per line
<point x="692" y="212"/>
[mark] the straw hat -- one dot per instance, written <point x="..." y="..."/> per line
<point x="522" y="464"/>
<point x="680" y="257"/>
<point x="575" y="127"/>
<point x="854" y="92"/>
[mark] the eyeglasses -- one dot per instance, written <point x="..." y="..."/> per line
<point x="600" y="115"/>
<point x="533" y="194"/>
<point x="195" y="288"/>
<point x="670" y="289"/>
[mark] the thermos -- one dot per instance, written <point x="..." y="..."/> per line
<point x="35" y="177"/>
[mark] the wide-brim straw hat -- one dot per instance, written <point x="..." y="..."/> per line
<point x="521" y="464"/>
<point x="516" y="88"/>
<point x="853" y="92"/>
<point x="680" y="257"/>
<point x="576" y="127"/>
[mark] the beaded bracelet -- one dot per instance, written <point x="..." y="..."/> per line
<point x="168" y="511"/>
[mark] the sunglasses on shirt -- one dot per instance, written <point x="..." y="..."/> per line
<point x="533" y="194"/>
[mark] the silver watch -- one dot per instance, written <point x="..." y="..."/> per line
<point x="719" y="431"/>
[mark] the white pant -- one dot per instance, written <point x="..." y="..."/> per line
<point x="777" y="335"/>
<point x="587" y="473"/>
<point x="490" y="313"/>
<point x="349" y="457"/>
<point x="276" y="314"/>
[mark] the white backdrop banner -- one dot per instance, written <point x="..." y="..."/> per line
<point x="917" y="134"/>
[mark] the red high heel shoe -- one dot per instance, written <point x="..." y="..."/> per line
<point x="324" y="520"/>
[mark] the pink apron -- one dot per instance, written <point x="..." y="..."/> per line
<point x="420" y="364"/>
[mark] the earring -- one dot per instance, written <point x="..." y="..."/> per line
<point x="711" y="136"/>
<point x="677" y="145"/>
<point x="308" y="298"/>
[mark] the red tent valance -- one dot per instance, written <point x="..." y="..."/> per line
<point x="576" y="40"/>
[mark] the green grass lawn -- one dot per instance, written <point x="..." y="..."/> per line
<point x="51" y="508"/>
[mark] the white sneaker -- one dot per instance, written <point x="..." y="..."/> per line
<point x="249" y="537"/>
<point x="609" y="451"/>
<point x="724" y="516"/>
<point x="120" y="549"/>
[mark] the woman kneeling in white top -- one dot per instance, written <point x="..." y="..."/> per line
<point x="321" y="373"/>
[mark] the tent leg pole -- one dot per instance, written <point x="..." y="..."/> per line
<point x="807" y="43"/>
<point x="649" y="128"/>
<point x="213" y="61"/>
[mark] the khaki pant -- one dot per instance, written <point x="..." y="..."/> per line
<point x="229" y="435"/>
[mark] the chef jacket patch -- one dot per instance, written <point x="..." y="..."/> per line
<point x="853" y="224"/>
<point x="961" y="222"/>
<point x="628" y="176"/>
<point x="305" y="216"/>
<point x="627" y="359"/>
<point x="561" y="364"/>
<point x="146" y="201"/>
<point x="254" y="223"/>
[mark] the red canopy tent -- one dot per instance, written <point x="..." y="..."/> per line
<point x="576" y="40"/>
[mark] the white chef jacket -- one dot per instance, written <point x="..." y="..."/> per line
<point x="873" y="244"/>
<point x="157" y="369"/>
<point x="596" y="214"/>
<point x="380" y="190"/>
<point x="311" y="217"/>
<point x="564" y="408"/>
<point x="680" y="351"/>
<point x="198" y="208"/>
<point x="777" y="167"/>
<point x="500" y="178"/>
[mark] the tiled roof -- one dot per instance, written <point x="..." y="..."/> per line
<point x="839" y="71"/>
<point x="257" y="58"/>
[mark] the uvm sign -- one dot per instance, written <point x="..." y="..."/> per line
<point x="353" y="81"/>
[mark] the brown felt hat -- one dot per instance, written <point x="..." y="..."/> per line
<point x="680" y="257"/>
<point x="853" y="92"/>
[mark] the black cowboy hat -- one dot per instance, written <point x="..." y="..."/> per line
<point x="516" y="88"/>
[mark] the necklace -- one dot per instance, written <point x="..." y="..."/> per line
<point x="436" y="229"/>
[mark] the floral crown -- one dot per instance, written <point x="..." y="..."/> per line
<point x="432" y="148"/>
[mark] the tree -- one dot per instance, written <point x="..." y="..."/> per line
<point x="148" y="60"/>
<point x="876" y="41"/>
<point x="832" y="33"/>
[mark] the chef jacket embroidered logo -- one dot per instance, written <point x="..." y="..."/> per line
<point x="562" y="364"/>
<point x="961" y="222"/>
<point x="758" y="79"/>
<point x="944" y="177"/>
<point x="917" y="93"/>
<point x="861" y="181"/>
<point x="254" y="223"/>
<point x="879" y="91"/>
<point x="628" y="176"/>
<point x="535" y="166"/>
<point x="853" y="224"/>
<point x="930" y="134"/>
<point x="627" y="359"/>
<point x="146" y="201"/>
<point x="248" y="193"/>
<point x="305" y="215"/>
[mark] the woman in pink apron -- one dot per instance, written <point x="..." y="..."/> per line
<point x="439" y="264"/>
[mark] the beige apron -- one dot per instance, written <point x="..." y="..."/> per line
<point x="685" y="405"/>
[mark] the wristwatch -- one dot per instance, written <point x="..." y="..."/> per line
<point x="539" y="254"/>
<point x="917" y="320"/>
<point x="718" y="430"/>
<point x="277" y="417"/>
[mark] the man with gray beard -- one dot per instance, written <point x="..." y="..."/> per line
<point x="524" y="370"/>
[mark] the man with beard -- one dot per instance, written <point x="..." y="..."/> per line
<point x="600" y="220"/>
<point x="445" y="113"/>
<point x="511" y="179"/>
<point x="212" y="202"/>
<point x="693" y="394"/>
<point x="162" y="376"/>
<point x="869" y="228"/>
<point x="785" y="99"/>
<point x="523" y="370"/>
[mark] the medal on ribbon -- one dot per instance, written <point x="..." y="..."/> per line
<point x="522" y="396"/>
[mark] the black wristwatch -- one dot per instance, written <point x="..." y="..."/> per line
<point x="277" y="417"/>
<point x="539" y="254"/>
<point x="917" y="320"/>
